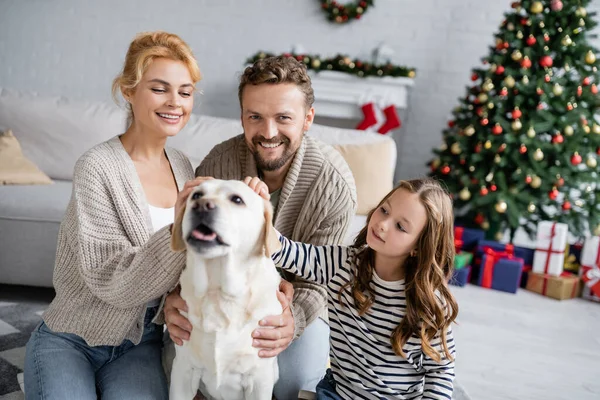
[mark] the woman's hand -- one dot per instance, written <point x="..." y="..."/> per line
<point x="179" y="327"/>
<point x="276" y="331"/>
<point x="185" y="192"/>
<point x="258" y="186"/>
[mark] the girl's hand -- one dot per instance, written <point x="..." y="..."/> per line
<point x="258" y="186"/>
<point x="185" y="192"/>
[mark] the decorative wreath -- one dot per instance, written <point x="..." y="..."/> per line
<point x="343" y="63"/>
<point x="342" y="13"/>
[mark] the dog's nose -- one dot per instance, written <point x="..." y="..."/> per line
<point x="205" y="205"/>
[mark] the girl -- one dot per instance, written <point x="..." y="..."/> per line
<point x="113" y="260"/>
<point x="390" y="308"/>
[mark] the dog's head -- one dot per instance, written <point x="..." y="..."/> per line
<point x="222" y="217"/>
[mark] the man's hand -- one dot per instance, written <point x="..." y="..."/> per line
<point x="276" y="331"/>
<point x="179" y="327"/>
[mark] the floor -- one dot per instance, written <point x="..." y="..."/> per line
<point x="527" y="346"/>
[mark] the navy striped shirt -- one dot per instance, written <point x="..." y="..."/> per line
<point x="362" y="358"/>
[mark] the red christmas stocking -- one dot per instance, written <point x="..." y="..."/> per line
<point x="392" y="120"/>
<point x="370" y="119"/>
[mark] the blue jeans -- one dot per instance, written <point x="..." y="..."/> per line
<point x="303" y="363"/>
<point x="326" y="388"/>
<point x="63" y="366"/>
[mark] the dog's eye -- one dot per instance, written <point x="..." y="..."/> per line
<point x="197" y="195"/>
<point x="236" y="199"/>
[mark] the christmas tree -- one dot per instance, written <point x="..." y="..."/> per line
<point x="522" y="146"/>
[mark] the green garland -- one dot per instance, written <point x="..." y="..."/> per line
<point x="343" y="63"/>
<point x="342" y="13"/>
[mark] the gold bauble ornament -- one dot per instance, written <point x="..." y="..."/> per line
<point x="519" y="34"/>
<point x="455" y="148"/>
<point x="590" y="57"/>
<point x="497" y="158"/>
<point x="487" y="145"/>
<point x="536" y="182"/>
<point x="510" y="26"/>
<point x="490" y="105"/>
<point x="412" y="74"/>
<point x="469" y="130"/>
<point x="493" y="68"/>
<point x="596" y="129"/>
<point x="557" y="89"/>
<point x="516" y="125"/>
<point x="487" y="85"/>
<point x="531" y="207"/>
<point x="531" y="132"/>
<point x="516" y="55"/>
<point x="538" y="155"/>
<point x="579" y="203"/>
<point x="501" y="207"/>
<point x="536" y="7"/>
<point x="436" y="162"/>
<point x="464" y="194"/>
<point x="471" y="168"/>
<point x="586" y="129"/>
<point x="485" y="225"/>
<point x="525" y="79"/>
<point x="591" y="162"/>
<point x="482" y="97"/>
<point x="567" y="41"/>
<point x="581" y="12"/>
<point x="509" y="81"/>
<point x="489" y="177"/>
<point x="569" y="130"/>
<point x="581" y="22"/>
<point x="316" y="63"/>
<point x="498" y="236"/>
<point x="443" y="146"/>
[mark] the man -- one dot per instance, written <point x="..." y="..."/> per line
<point x="313" y="196"/>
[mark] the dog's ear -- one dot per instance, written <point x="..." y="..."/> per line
<point x="272" y="244"/>
<point x="177" y="242"/>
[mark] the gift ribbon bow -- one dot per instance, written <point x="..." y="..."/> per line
<point x="458" y="234"/>
<point x="491" y="258"/>
<point x="549" y="251"/>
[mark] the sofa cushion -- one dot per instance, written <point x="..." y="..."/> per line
<point x="368" y="163"/>
<point x="16" y="169"/>
<point x="46" y="203"/>
<point x="54" y="131"/>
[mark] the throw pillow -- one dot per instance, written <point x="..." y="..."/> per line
<point x="369" y="164"/>
<point x="15" y="169"/>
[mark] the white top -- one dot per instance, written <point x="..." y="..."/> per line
<point x="161" y="217"/>
<point x="363" y="361"/>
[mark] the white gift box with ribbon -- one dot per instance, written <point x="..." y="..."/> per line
<point x="550" y="245"/>
<point x="590" y="268"/>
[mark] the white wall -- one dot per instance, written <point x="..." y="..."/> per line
<point x="76" y="47"/>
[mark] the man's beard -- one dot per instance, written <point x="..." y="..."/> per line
<point x="272" y="165"/>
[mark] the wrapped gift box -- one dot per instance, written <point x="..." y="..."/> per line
<point x="462" y="259"/>
<point x="460" y="277"/>
<point x="561" y="287"/>
<point x="519" y="252"/>
<point x="591" y="282"/>
<point x="500" y="271"/>
<point x="467" y="238"/>
<point x="550" y="243"/>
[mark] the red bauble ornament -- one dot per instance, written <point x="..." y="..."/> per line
<point x="560" y="182"/>
<point x="526" y="63"/>
<point x="556" y="5"/>
<point x="558" y="139"/>
<point x="598" y="150"/>
<point x="539" y="91"/>
<point x="493" y="188"/>
<point x="576" y="159"/>
<point x="546" y="61"/>
<point x="531" y="40"/>
<point x="570" y="107"/>
<point x="479" y="219"/>
<point x="474" y="77"/>
<point x="523" y="149"/>
<point x="566" y="205"/>
<point x="499" y="70"/>
<point x="547" y="78"/>
<point x="579" y="90"/>
<point x="451" y="124"/>
<point x="528" y="179"/>
<point x="484" y="191"/>
<point x="484" y="121"/>
<point x="463" y="161"/>
<point x="504" y="92"/>
<point x="553" y="194"/>
<point x="524" y="21"/>
<point x="299" y="57"/>
<point x="586" y="81"/>
<point x="594" y="89"/>
<point x="516" y="113"/>
<point x="546" y="37"/>
<point x="445" y="170"/>
<point x="479" y="111"/>
<point x="497" y="129"/>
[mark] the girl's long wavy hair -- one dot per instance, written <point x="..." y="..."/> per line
<point x="430" y="307"/>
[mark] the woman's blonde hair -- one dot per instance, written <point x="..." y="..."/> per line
<point x="430" y="306"/>
<point x="145" y="48"/>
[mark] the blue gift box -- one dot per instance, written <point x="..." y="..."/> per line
<point x="505" y="273"/>
<point x="466" y="239"/>
<point x="460" y="277"/>
<point x="520" y="252"/>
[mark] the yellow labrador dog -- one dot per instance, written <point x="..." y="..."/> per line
<point x="229" y="284"/>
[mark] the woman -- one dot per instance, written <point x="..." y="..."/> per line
<point x="113" y="260"/>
